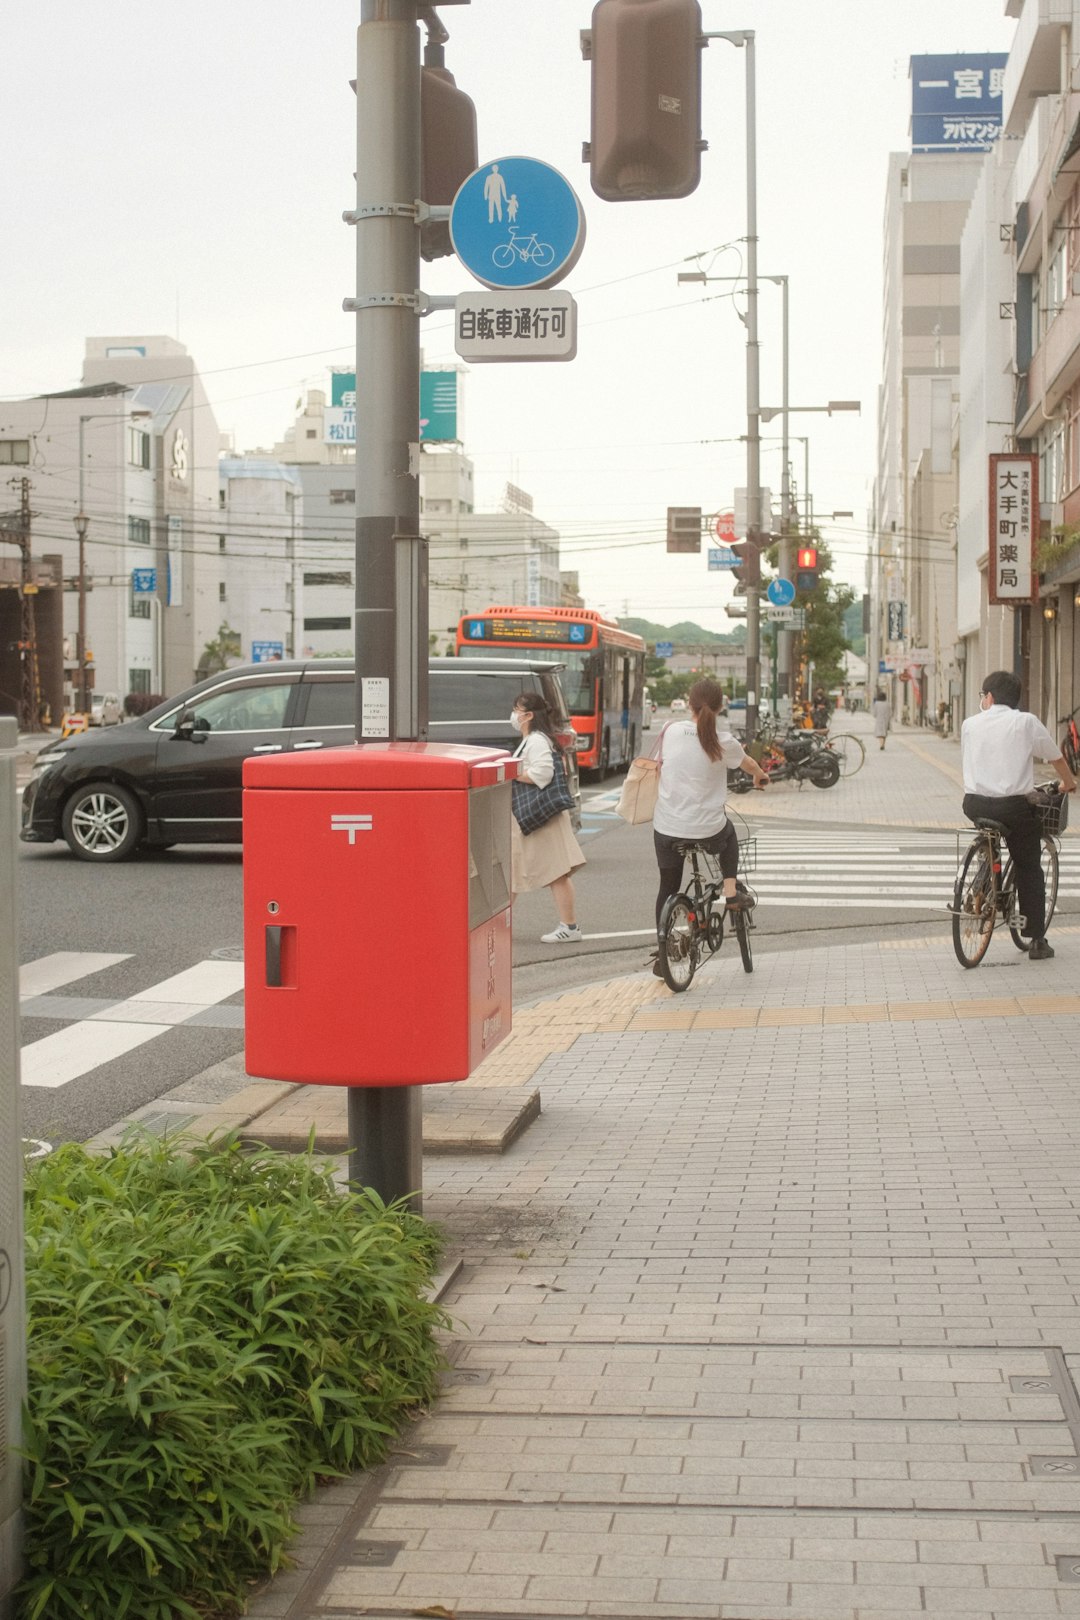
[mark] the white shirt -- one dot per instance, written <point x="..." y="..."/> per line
<point x="998" y="750"/>
<point x="693" y="787"/>
<point x="538" y="758"/>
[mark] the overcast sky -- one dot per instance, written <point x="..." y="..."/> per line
<point x="184" y="170"/>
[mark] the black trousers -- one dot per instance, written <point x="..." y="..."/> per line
<point x="1024" y="838"/>
<point x="724" y="845"/>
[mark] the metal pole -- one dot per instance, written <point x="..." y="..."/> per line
<point x="753" y="391"/>
<point x="391" y="578"/>
<point x="81" y="525"/>
<point x="782" y="674"/>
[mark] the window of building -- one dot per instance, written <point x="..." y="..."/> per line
<point x="1057" y="276"/>
<point x="139" y="531"/>
<point x="343" y="497"/>
<point x="1071" y="408"/>
<point x="138" y="680"/>
<point x="14" y="452"/>
<point x="221" y="542"/>
<point x="138" y="447"/>
<point x="139" y="605"/>
<point x="222" y="497"/>
<point x="221" y="590"/>
<point x="342" y="622"/>
<point x="1052" y="462"/>
<point x="344" y="577"/>
<point x="311" y="433"/>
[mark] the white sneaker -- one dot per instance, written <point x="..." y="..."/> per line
<point x="565" y="934"/>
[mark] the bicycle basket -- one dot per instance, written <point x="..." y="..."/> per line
<point x="747" y="855"/>
<point x="1052" y="807"/>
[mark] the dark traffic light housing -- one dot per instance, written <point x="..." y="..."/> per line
<point x="748" y="571"/>
<point x="646" y="98"/>
<point x="448" y="148"/>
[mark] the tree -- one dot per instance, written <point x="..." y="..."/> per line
<point x="824" y="641"/>
<point x="220" y="653"/>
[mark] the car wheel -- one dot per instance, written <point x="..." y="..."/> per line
<point x="102" y="822"/>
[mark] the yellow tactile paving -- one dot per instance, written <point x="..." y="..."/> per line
<point x="777" y="1017"/>
<point x="870" y="1012"/>
<point x="988" y="1007"/>
<point x="727" y="1018"/>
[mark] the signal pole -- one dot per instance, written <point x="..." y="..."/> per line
<point x="385" y="1122"/>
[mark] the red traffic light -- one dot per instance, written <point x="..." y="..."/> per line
<point x="806" y="557"/>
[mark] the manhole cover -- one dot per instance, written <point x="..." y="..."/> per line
<point x="1054" y="1467"/>
<point x="375" y="1554"/>
<point x="227" y="953"/>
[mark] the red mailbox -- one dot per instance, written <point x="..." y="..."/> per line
<point x="376" y="913"/>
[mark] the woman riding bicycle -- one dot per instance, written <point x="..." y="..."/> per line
<point x="690" y="806"/>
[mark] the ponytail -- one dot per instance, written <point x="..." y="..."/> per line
<point x="705" y="698"/>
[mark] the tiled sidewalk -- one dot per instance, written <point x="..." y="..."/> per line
<point x="772" y="1313"/>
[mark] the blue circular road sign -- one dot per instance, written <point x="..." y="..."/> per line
<point x="781" y="592"/>
<point x="517" y="222"/>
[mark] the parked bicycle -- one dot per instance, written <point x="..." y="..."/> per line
<point x="986" y="884"/>
<point x="849" y="749"/>
<point x="692" y="921"/>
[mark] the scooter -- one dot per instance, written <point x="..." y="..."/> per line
<point x="797" y="759"/>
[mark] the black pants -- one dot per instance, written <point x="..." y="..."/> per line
<point x="1024" y="838"/>
<point x="724" y="845"/>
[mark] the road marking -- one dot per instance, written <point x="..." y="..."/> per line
<point x="72" y="1052"/>
<point x="63" y="967"/>
<point x="79" y="1048"/>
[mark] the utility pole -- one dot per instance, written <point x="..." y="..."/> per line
<point x="391" y="559"/>
<point x="18" y="534"/>
<point x="743" y="39"/>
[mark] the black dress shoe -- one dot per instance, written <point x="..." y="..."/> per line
<point x="1040" y="951"/>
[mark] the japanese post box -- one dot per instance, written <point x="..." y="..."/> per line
<point x="376" y="912"/>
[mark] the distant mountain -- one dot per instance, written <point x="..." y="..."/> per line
<point x="685" y="633"/>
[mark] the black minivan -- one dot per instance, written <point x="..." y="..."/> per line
<point x="174" y="775"/>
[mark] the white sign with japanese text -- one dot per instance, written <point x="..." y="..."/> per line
<point x="1014" y="526"/>
<point x="515" y="326"/>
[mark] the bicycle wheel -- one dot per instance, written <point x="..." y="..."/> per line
<point x="503" y="255"/>
<point x="1007" y="891"/>
<point x="1068" y="748"/>
<point x="542" y="254"/>
<point x="714" y="929"/>
<point x="849" y="751"/>
<point x="1050" y="882"/>
<point x="1050" y="876"/>
<point x="678" y="941"/>
<point x="742" y="934"/>
<point x="974" y="907"/>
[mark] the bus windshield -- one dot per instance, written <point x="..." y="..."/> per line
<point x="578" y="675"/>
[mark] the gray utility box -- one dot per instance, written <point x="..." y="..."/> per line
<point x="12" y="1294"/>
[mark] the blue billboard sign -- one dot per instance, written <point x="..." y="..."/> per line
<point x="721" y="557"/>
<point x="956" y="102"/>
<point x="143" y="581"/>
<point x="267" y="652"/>
<point x="665" y="649"/>
<point x="517" y="223"/>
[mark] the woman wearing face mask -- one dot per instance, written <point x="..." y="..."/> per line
<point x="546" y="858"/>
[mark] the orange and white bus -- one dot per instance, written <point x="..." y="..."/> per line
<point x="603" y="675"/>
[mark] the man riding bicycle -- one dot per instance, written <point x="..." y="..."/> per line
<point x="998" y="749"/>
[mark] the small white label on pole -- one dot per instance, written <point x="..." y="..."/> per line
<point x="375" y="706"/>
<point x="515" y="326"/>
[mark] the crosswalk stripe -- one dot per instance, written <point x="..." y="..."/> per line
<point x="119" y="1028"/>
<point x="63" y="967"/>
<point x="73" y="1051"/>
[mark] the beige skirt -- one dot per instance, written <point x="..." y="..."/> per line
<point x="550" y="852"/>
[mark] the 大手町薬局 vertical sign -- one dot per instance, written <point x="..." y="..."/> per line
<point x="1014" y="527"/>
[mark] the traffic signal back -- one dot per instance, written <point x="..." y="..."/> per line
<point x="646" y="98"/>
<point x="447" y="151"/>
<point x="748" y="571"/>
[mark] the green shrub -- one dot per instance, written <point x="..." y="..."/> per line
<point x="209" y="1330"/>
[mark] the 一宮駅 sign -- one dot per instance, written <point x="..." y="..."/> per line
<point x="517" y="223"/>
